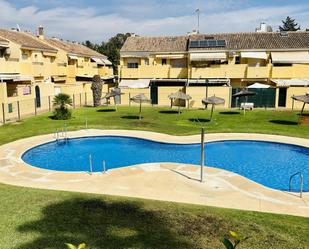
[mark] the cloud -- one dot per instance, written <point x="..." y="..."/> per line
<point x="145" y="18"/>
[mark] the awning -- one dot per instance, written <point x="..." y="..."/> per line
<point x="16" y="77"/>
<point x="49" y="54"/>
<point x="293" y="82"/>
<point x="107" y="62"/>
<point x="171" y="56"/>
<point x="258" y="85"/>
<point x="97" y="60"/>
<point x="58" y="78"/>
<point x="290" y="57"/>
<point x="210" y="81"/>
<point x="207" y="56"/>
<point x="72" y="57"/>
<point x="138" y="83"/>
<point x="254" y="55"/>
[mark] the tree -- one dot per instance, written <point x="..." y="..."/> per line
<point x="289" y="25"/>
<point x="62" y="102"/>
<point x="111" y="48"/>
<point x="96" y="87"/>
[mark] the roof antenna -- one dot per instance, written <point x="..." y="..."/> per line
<point x="18" y="28"/>
<point x="198" y="20"/>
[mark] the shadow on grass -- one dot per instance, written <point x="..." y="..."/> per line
<point x="101" y="224"/>
<point x="199" y="120"/>
<point x="106" y="110"/>
<point x="230" y="113"/>
<point x="304" y="114"/>
<point x="130" y="117"/>
<point x="283" y="122"/>
<point x="169" y="112"/>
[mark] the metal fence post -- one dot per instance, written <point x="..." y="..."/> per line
<point x="3" y="113"/>
<point x="35" y="111"/>
<point x="49" y="106"/>
<point x="18" y="110"/>
<point x="74" y="101"/>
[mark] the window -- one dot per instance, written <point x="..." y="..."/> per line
<point x="10" y="108"/>
<point x="26" y="90"/>
<point x="164" y="61"/>
<point x="147" y="62"/>
<point x="132" y="65"/>
<point x="237" y="59"/>
<point x="2" y="51"/>
<point x="24" y="57"/>
<point x="282" y="64"/>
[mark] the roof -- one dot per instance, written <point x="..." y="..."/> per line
<point x="234" y="41"/>
<point x="155" y="44"/>
<point x="74" y="48"/>
<point x="27" y="41"/>
<point x="253" y="40"/>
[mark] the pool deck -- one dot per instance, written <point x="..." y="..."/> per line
<point x="159" y="181"/>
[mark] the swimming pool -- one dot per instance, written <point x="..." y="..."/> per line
<point x="267" y="163"/>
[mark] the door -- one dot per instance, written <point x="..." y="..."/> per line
<point x="37" y="96"/>
<point x="282" y="97"/>
<point x="154" y="94"/>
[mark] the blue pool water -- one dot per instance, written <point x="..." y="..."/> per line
<point x="270" y="164"/>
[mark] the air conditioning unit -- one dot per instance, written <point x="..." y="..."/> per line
<point x="232" y="53"/>
<point x="7" y="52"/>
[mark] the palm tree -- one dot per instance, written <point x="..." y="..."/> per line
<point x="62" y="102"/>
<point x="96" y="88"/>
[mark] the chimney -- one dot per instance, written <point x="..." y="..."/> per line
<point x="41" y="32"/>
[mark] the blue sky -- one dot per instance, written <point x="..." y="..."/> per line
<point x="98" y="20"/>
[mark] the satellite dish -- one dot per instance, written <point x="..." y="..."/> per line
<point x="7" y="52"/>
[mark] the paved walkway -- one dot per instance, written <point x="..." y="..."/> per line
<point x="160" y="181"/>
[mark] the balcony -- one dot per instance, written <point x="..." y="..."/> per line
<point x="258" y="72"/>
<point x="38" y="69"/>
<point x="158" y="71"/>
<point x="9" y="66"/>
<point x="220" y="71"/>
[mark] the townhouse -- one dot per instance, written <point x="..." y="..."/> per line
<point x="207" y="64"/>
<point x="34" y="68"/>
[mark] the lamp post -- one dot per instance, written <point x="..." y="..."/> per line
<point x="202" y="152"/>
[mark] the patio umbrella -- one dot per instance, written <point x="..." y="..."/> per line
<point x="112" y="94"/>
<point x="140" y="98"/>
<point x="213" y="100"/>
<point x="180" y="96"/>
<point x="304" y="99"/>
<point x="244" y="93"/>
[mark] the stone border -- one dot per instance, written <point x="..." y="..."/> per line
<point x="221" y="188"/>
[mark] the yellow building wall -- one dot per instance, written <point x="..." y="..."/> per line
<point x="198" y="93"/>
<point x="163" y="93"/>
<point x="296" y="91"/>
<point x="127" y="93"/>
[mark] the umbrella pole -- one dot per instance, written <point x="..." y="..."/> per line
<point x="202" y="152"/>
<point x="212" y="110"/>
<point x="178" y="108"/>
<point x="115" y="103"/>
<point x="301" y="113"/>
<point x="140" y="110"/>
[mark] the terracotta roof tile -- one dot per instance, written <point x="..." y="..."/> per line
<point x="74" y="48"/>
<point x="26" y="41"/>
<point x="234" y="41"/>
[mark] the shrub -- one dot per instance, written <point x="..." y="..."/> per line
<point x="61" y="103"/>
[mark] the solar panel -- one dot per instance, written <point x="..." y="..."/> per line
<point x="210" y="43"/>
<point x="194" y="44"/>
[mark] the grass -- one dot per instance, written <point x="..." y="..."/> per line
<point x="36" y="219"/>
<point x="39" y="219"/>
<point x="162" y="120"/>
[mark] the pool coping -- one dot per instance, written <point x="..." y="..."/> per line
<point x="242" y="191"/>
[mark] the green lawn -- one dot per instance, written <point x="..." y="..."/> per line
<point x="163" y="120"/>
<point x="36" y="219"/>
